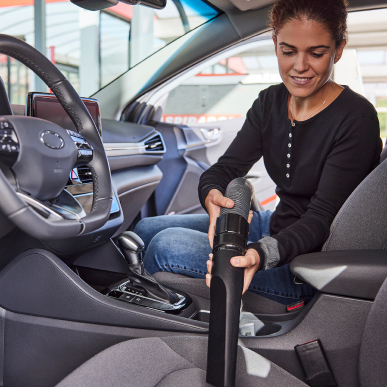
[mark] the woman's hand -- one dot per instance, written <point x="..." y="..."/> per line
<point x="250" y="262"/>
<point x="214" y="201"/>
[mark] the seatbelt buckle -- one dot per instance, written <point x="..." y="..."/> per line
<point x="295" y="306"/>
<point x="315" y="364"/>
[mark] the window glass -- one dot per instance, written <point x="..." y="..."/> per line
<point x="114" y="40"/>
<point x="226" y="89"/>
<point x="363" y="66"/>
<point x="94" y="48"/>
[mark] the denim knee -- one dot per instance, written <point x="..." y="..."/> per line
<point x="178" y="248"/>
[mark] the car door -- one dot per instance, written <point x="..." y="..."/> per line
<point x="200" y="116"/>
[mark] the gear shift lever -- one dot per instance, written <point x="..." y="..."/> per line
<point x="132" y="246"/>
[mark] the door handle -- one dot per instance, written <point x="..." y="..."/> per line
<point x="210" y="134"/>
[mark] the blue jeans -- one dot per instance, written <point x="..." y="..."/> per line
<point x="179" y="244"/>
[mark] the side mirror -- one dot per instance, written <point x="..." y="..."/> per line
<point x="96" y="5"/>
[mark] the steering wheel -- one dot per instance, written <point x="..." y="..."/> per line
<point x="37" y="156"/>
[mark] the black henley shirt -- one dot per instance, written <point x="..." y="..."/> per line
<point x="316" y="164"/>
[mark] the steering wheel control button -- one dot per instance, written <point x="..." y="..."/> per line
<point x="52" y="139"/>
<point x="85" y="150"/>
<point x="5" y="125"/>
<point x="9" y="144"/>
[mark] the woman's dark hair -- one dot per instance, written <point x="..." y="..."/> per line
<point x="330" y="13"/>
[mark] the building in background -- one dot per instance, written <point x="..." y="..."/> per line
<point x="93" y="48"/>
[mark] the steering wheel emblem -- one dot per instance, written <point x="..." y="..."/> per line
<point x="52" y="139"/>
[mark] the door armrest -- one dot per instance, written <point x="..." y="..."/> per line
<point x="351" y="273"/>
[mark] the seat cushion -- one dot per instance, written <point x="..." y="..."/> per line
<point x="170" y="362"/>
<point x="252" y="302"/>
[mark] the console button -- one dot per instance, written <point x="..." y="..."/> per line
<point x="126" y="297"/>
<point x="146" y="302"/>
<point x="166" y="307"/>
<point x="137" y="300"/>
<point x="156" y="305"/>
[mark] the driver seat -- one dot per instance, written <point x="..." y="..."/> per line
<point x="181" y="361"/>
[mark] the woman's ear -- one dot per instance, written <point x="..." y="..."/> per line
<point x="275" y="44"/>
<point x="339" y="51"/>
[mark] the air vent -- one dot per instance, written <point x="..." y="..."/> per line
<point x="85" y="175"/>
<point x="155" y="144"/>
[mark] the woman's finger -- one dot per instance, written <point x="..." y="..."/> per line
<point x="210" y="264"/>
<point x="221" y="201"/>
<point x="208" y="280"/>
<point x="211" y="232"/>
<point x="246" y="261"/>
<point x="251" y="214"/>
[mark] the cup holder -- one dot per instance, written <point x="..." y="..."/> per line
<point x="269" y="328"/>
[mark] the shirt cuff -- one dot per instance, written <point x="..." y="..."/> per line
<point x="268" y="251"/>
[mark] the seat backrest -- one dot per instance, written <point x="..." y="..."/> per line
<point x="361" y="222"/>
<point x="373" y="349"/>
<point x="383" y="155"/>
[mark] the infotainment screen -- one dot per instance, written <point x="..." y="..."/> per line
<point x="47" y="107"/>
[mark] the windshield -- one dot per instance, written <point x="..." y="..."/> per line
<point x="94" y="48"/>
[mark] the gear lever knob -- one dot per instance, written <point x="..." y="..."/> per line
<point x="132" y="246"/>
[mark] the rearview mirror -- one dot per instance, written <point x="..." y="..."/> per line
<point x="96" y="5"/>
<point x="159" y="4"/>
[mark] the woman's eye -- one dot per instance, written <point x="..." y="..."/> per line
<point x="316" y="55"/>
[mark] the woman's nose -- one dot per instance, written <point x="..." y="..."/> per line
<point x="301" y="63"/>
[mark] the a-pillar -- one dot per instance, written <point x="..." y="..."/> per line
<point x="89" y="66"/>
<point x="40" y="37"/>
<point x="141" y="34"/>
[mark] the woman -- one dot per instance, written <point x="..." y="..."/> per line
<point x="319" y="140"/>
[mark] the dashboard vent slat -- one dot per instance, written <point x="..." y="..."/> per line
<point x="155" y="144"/>
<point x="85" y="175"/>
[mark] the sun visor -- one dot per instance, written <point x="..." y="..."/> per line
<point x="245" y="5"/>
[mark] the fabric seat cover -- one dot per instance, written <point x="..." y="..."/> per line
<point x="171" y="362"/>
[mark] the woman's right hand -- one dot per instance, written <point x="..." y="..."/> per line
<point x="214" y="201"/>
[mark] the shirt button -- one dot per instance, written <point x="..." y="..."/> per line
<point x="288" y="155"/>
<point x="289" y="145"/>
<point x="290" y="135"/>
<point x="287" y="165"/>
<point x="287" y="175"/>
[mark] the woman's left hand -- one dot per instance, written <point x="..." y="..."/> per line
<point x="250" y="262"/>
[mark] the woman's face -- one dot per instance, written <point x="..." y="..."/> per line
<point x="306" y="54"/>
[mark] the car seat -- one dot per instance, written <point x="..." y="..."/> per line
<point x="181" y="361"/>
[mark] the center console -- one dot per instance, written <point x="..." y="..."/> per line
<point x="139" y="289"/>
